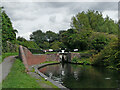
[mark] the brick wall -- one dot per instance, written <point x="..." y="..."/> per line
<point x="23" y="57"/>
<point x="30" y="59"/>
<point x="75" y="55"/>
<point x="52" y="57"/>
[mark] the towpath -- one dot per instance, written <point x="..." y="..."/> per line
<point x="5" y="67"/>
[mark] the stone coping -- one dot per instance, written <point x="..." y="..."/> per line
<point x="45" y="64"/>
<point x="36" y="67"/>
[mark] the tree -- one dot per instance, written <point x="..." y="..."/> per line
<point x="99" y="42"/>
<point x="109" y="26"/>
<point x="8" y="32"/>
<point x="119" y="35"/>
<point x="0" y="31"/>
<point x="109" y="56"/>
<point x="38" y="37"/>
<point x="71" y="39"/>
<point x="60" y="34"/>
<point x="65" y="37"/>
<point x="79" y="40"/>
<point x="21" y="39"/>
<point x="56" y="45"/>
<point x="46" y="45"/>
<point x="80" y="21"/>
<point x="43" y="39"/>
<point x="51" y="36"/>
<point x="92" y="20"/>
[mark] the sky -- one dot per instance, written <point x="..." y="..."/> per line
<point x="28" y="16"/>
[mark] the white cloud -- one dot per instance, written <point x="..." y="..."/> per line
<point x="26" y="35"/>
<point x="60" y="0"/>
<point x="112" y="14"/>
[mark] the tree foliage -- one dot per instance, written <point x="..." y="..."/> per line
<point x="57" y="45"/>
<point x="42" y="39"/>
<point x="0" y="31"/>
<point x="51" y="36"/>
<point x="109" y="56"/>
<point x="8" y="32"/>
<point x="29" y="44"/>
<point x="95" y="21"/>
<point x="21" y="39"/>
<point x="72" y="39"/>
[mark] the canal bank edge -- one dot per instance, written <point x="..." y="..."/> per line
<point x="36" y="67"/>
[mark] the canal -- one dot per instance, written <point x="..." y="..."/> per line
<point x="82" y="76"/>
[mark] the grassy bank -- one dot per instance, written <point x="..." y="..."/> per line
<point x="85" y="57"/>
<point x="4" y="55"/>
<point x="51" y="52"/>
<point x="82" y="60"/>
<point x="18" y="78"/>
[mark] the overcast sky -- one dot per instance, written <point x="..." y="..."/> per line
<point x="31" y="16"/>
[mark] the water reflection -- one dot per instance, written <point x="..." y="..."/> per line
<point x="80" y="76"/>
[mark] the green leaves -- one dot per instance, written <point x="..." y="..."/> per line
<point x="109" y="56"/>
<point x="95" y="21"/>
<point x="8" y="32"/>
<point x="76" y="40"/>
<point x="56" y="45"/>
<point x="42" y="39"/>
<point x="80" y="21"/>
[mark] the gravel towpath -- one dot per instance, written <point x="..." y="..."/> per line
<point x="5" y="67"/>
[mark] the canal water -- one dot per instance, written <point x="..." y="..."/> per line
<point x="82" y="76"/>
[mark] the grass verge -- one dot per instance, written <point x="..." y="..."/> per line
<point x="18" y="78"/>
<point x="0" y="86"/>
<point x="47" y="83"/>
<point x="82" y="60"/>
<point x="51" y="52"/>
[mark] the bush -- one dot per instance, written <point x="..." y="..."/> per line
<point x="56" y="45"/>
<point x="75" y="60"/>
<point x="9" y="47"/>
<point x="28" y="44"/>
<point x="109" y="56"/>
<point x="99" y="40"/>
